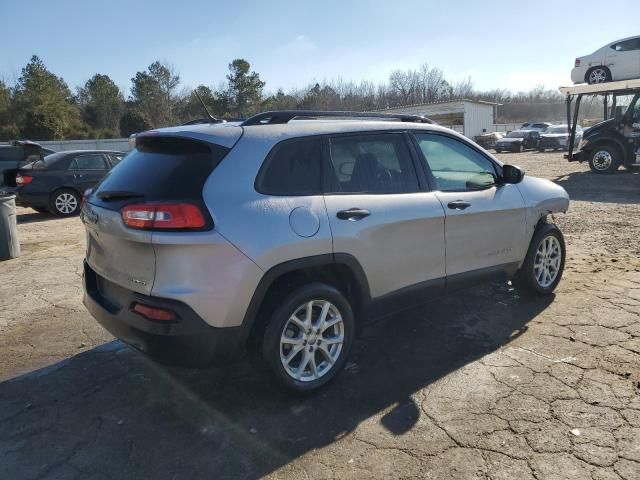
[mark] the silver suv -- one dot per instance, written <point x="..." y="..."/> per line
<point x="282" y="233"/>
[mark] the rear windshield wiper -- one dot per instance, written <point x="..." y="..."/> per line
<point x="117" y="195"/>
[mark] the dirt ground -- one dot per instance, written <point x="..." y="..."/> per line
<point x="485" y="384"/>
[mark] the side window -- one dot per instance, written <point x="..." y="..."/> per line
<point x="115" y="158"/>
<point x="88" y="162"/>
<point x="294" y="167"/>
<point x="627" y="45"/>
<point x="372" y="164"/>
<point x="454" y="165"/>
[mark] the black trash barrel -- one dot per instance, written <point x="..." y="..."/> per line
<point x="9" y="244"/>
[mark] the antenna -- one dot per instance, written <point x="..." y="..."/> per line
<point x="211" y="117"/>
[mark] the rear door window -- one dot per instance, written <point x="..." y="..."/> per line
<point x="160" y="169"/>
<point x="378" y="163"/>
<point x="115" y="158"/>
<point x="88" y="162"/>
<point x="294" y="167"/>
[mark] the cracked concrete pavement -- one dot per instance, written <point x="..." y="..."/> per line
<point x="485" y="384"/>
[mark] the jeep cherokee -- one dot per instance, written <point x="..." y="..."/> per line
<point x="281" y="233"/>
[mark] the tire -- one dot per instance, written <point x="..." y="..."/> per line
<point x="310" y="345"/>
<point x="540" y="273"/>
<point x="64" y="202"/>
<point x="40" y="209"/>
<point x="498" y="150"/>
<point x="520" y="148"/>
<point x="597" y="75"/>
<point x="604" y="160"/>
<point x="541" y="150"/>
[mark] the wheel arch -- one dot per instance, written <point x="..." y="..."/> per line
<point x="589" y="70"/>
<point x="341" y="270"/>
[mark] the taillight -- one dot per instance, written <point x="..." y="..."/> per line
<point x="160" y="216"/>
<point x="153" y="313"/>
<point x="23" y="179"/>
<point x="86" y="193"/>
<point x="577" y="62"/>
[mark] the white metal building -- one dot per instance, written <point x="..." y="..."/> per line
<point x="469" y="117"/>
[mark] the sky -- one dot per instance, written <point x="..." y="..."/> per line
<point x="499" y="44"/>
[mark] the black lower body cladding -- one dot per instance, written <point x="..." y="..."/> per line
<point x="189" y="341"/>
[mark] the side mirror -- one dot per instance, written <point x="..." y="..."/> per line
<point x="512" y="174"/>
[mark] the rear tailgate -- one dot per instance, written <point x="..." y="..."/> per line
<point x="163" y="169"/>
<point x="119" y="254"/>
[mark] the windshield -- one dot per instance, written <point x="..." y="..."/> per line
<point x="516" y="135"/>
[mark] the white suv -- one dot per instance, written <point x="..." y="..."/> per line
<point x="619" y="60"/>
<point x="282" y="235"/>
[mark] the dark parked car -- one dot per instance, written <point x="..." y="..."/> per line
<point x="56" y="183"/>
<point x="538" y="126"/>
<point x="15" y="154"/>
<point x="557" y="138"/>
<point x="518" y="141"/>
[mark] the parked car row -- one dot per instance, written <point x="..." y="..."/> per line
<point x="539" y="136"/>
<point x="52" y="182"/>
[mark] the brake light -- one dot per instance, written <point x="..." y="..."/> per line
<point x="23" y="179"/>
<point x="153" y="313"/>
<point x="577" y="62"/>
<point x="86" y="193"/>
<point x="160" y="216"/>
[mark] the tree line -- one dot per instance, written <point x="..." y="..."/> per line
<point x="40" y="105"/>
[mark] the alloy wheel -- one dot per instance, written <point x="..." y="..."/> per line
<point x="312" y="340"/>
<point x="598" y="75"/>
<point x="547" y="262"/>
<point x="66" y="203"/>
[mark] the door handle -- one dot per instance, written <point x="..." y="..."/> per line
<point x="353" y="214"/>
<point x="458" y="205"/>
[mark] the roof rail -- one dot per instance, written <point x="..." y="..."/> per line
<point x="284" y="116"/>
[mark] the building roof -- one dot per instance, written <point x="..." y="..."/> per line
<point x="436" y="104"/>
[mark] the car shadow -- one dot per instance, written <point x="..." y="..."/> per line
<point x="620" y="187"/>
<point x="112" y="413"/>
<point x="33" y="217"/>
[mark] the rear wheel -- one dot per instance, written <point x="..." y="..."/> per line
<point x="309" y="337"/>
<point x="498" y="150"/>
<point x="604" y="160"/>
<point x="598" y="75"/>
<point x="64" y="202"/>
<point x="542" y="268"/>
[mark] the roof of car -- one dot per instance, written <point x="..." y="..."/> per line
<point x="71" y="152"/>
<point x="226" y="134"/>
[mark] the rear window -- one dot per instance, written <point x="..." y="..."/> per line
<point x="159" y="169"/>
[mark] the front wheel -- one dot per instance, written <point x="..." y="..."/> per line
<point x="604" y="160"/>
<point x="542" y="268"/>
<point x="309" y="337"/>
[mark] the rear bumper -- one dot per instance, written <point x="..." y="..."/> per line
<point x="189" y="341"/>
<point x="27" y="199"/>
